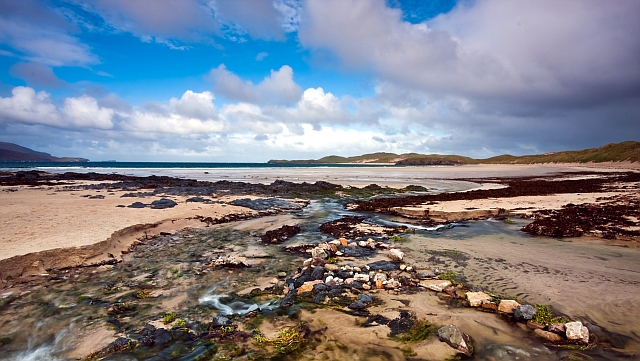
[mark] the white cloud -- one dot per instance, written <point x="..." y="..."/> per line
<point x="28" y="107"/>
<point x="41" y="35"/>
<point x="574" y="50"/>
<point x="277" y="88"/>
<point x="193" y="113"/>
<point x="84" y="112"/>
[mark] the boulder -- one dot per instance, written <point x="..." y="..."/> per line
<point x="507" y="306"/>
<point x="549" y="336"/>
<point x="577" y="332"/>
<point x="524" y="312"/>
<point x="435" y="285"/>
<point x="396" y="254"/>
<point x="452" y="335"/>
<point x="476" y="299"/>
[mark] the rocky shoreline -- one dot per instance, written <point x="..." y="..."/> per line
<point x="358" y="270"/>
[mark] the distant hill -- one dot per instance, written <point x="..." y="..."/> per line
<point x="615" y="152"/>
<point x="10" y="152"/>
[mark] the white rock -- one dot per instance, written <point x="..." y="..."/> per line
<point x="380" y="276"/>
<point x="476" y="298"/>
<point x="435" y="285"/>
<point x="361" y="277"/>
<point x="396" y="254"/>
<point x="329" y="279"/>
<point x="319" y="253"/>
<point x="576" y="331"/>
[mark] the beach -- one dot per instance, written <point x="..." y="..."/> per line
<point x="55" y="223"/>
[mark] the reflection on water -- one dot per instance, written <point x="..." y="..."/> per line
<point x="234" y="307"/>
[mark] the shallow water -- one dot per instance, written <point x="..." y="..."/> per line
<point x="583" y="279"/>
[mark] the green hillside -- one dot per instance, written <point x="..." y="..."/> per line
<point x="615" y="152"/>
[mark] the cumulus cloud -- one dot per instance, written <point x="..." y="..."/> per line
<point x="277" y="88"/>
<point x="193" y="113"/>
<point x="39" y="34"/>
<point x="28" y="107"/>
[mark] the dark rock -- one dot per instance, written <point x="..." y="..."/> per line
<point x="263" y="204"/>
<point x="318" y="273"/>
<point x="425" y="275"/>
<point x="524" y="312"/>
<point x="163" y="203"/>
<point x="383" y="266"/>
<point x="137" y="205"/>
<point x="358" y="305"/>
<point x="197" y="199"/>
<point x="452" y="335"/>
<point x="557" y="328"/>
<point x="365" y="298"/>
<point x="320" y="287"/>
<point x="402" y="324"/>
<point x="281" y="234"/>
<point x="320" y="297"/>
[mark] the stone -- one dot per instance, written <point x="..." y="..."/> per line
<point x="489" y="306"/>
<point x="343" y="241"/>
<point x="307" y="287"/>
<point x="576" y="331"/>
<point x="366" y="286"/>
<point x="476" y="299"/>
<point x="452" y="335"/>
<point x="319" y="253"/>
<point x="557" y="328"/>
<point x="549" y="336"/>
<point x="273" y="281"/>
<point x="396" y="254"/>
<point x="382" y="266"/>
<point x="379" y="284"/>
<point x="361" y="277"/>
<point x="380" y="276"/>
<point x="163" y="203"/>
<point x="365" y="298"/>
<point x="307" y="262"/>
<point x="435" y="285"/>
<point x="507" y="306"/>
<point x="524" y="312"/>
<point x="424" y="275"/>
<point x="331" y="267"/>
<point x="357" y="269"/>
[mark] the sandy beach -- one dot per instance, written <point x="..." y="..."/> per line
<point x="53" y="224"/>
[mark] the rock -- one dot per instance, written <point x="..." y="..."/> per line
<point x="549" y="336"/>
<point x="524" y="312"/>
<point x="282" y="274"/>
<point x="136" y="205"/>
<point x="576" y="331"/>
<point x="396" y="254"/>
<point x="358" y="305"/>
<point x="361" y="277"/>
<point x="221" y="320"/>
<point x="343" y="241"/>
<point x="452" y="335"/>
<point x="319" y="253"/>
<point x="477" y="298"/>
<point x="163" y="203"/>
<point x="489" y="306"/>
<point x="424" y="275"/>
<point x="307" y="262"/>
<point x="366" y="286"/>
<point x="507" y="306"/>
<point x="331" y="267"/>
<point x="262" y="204"/>
<point x="318" y="273"/>
<point x="365" y="298"/>
<point x="382" y="266"/>
<point x="435" y="285"/>
<point x="306" y="287"/>
<point x="558" y="328"/>
<point x="273" y="281"/>
<point x="380" y="276"/>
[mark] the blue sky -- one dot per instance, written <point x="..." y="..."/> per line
<point x="253" y="80"/>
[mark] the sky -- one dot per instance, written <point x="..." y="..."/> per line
<point x="253" y="80"/>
